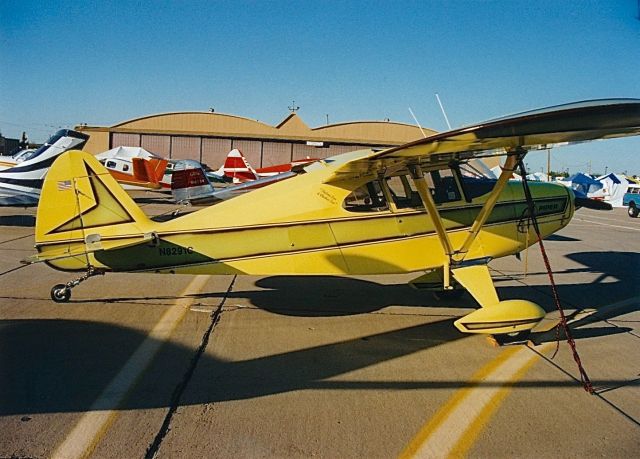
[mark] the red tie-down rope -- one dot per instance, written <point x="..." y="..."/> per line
<point x="586" y="382"/>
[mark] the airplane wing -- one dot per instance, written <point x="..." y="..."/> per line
<point x="538" y="129"/>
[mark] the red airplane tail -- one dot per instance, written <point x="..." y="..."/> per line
<point x="189" y="182"/>
<point x="238" y="168"/>
<point x="149" y="170"/>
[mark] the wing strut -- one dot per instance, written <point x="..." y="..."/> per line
<point x="427" y="198"/>
<point x="457" y="256"/>
<point x="509" y="167"/>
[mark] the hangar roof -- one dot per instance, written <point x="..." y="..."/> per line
<point x="291" y="127"/>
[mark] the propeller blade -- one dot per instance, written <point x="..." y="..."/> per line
<point x="592" y="204"/>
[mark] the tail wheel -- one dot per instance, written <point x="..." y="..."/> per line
<point x="60" y="293"/>
<point x="633" y="211"/>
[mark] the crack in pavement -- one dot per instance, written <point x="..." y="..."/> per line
<point x="154" y="447"/>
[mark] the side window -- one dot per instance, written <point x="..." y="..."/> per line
<point x="445" y="187"/>
<point x="404" y="192"/>
<point x="367" y="198"/>
<point x="111" y="164"/>
<point x="125" y="167"/>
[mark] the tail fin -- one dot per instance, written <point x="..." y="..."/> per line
<point x="189" y="182"/>
<point x="238" y="168"/>
<point x="149" y="170"/>
<point x="82" y="209"/>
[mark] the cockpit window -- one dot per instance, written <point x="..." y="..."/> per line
<point x="444" y="188"/>
<point x="403" y="192"/>
<point x="367" y="198"/>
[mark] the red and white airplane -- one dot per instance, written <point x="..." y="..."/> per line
<point x="237" y="168"/>
<point x="191" y="184"/>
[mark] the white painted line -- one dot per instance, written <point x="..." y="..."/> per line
<point x="592" y="313"/>
<point x="84" y="437"/>
<point x="205" y="309"/>
<point x="607" y="224"/>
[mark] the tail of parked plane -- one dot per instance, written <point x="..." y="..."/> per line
<point x="82" y="210"/>
<point x="237" y="168"/>
<point x="189" y="182"/>
<point x="149" y="170"/>
<point x="21" y="184"/>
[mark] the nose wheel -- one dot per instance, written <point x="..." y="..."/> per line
<point x="61" y="293"/>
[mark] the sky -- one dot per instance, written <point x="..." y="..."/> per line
<point x="101" y="62"/>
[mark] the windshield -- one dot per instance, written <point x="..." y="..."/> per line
<point x="476" y="168"/>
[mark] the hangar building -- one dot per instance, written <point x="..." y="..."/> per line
<point x="208" y="137"/>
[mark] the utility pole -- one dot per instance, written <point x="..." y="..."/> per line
<point x="548" y="164"/>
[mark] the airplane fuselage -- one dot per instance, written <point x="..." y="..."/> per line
<point x="332" y="231"/>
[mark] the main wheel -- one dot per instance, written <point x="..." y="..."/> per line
<point x="511" y="338"/>
<point x="633" y="211"/>
<point x="60" y="293"/>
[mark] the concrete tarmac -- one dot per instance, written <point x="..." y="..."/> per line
<point x="201" y="366"/>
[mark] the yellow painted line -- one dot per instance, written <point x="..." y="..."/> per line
<point x="456" y="425"/>
<point x="452" y="404"/>
<point x="469" y="437"/>
<point x="92" y="426"/>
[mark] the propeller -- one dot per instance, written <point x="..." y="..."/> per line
<point x="582" y="200"/>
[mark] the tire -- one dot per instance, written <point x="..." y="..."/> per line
<point x="633" y="211"/>
<point x="60" y="293"/>
<point x="511" y="338"/>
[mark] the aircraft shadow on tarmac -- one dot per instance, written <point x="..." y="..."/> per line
<point x="337" y="296"/>
<point x="618" y="278"/>
<point x="54" y="366"/>
<point x="560" y="238"/>
<point x="51" y="366"/>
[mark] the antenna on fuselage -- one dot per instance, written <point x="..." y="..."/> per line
<point x="443" y="112"/>
<point x="417" y="122"/>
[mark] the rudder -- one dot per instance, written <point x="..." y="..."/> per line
<point x="80" y="203"/>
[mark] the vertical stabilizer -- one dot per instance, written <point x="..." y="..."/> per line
<point x="83" y="208"/>
<point x="238" y="168"/>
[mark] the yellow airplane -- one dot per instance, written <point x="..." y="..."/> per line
<point x="406" y="209"/>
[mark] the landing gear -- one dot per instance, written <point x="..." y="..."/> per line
<point x="61" y="293"/>
<point x="505" y="339"/>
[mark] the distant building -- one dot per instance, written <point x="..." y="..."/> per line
<point x="208" y="137"/>
<point x="8" y="145"/>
